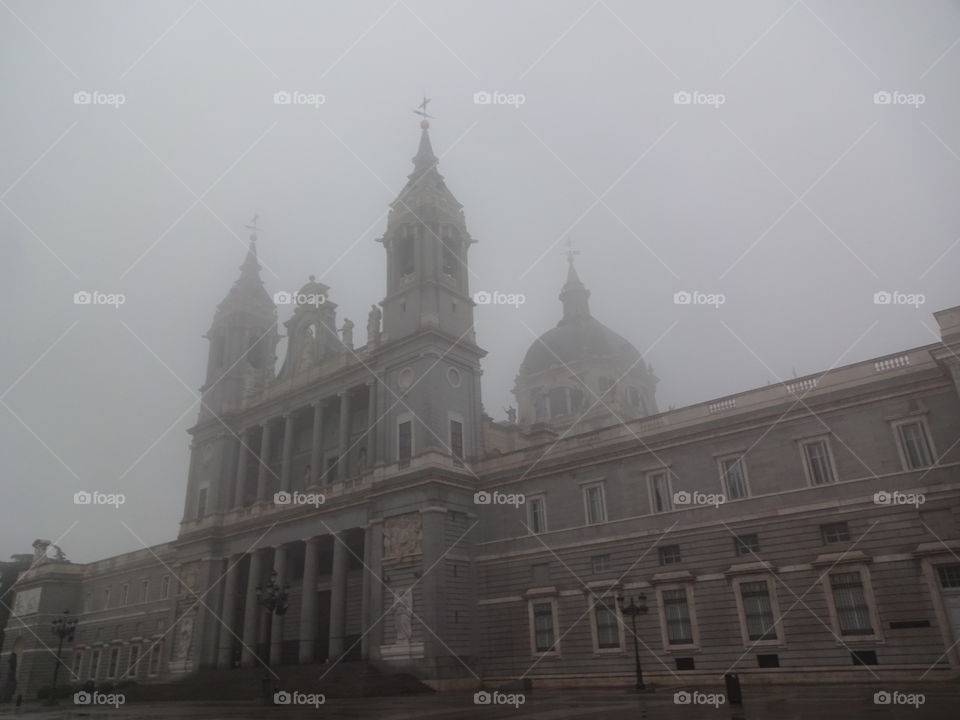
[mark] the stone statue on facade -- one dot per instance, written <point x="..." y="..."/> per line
<point x="373" y="326"/>
<point x="347" y="331"/>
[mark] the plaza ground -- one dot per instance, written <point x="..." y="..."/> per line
<point x="781" y="703"/>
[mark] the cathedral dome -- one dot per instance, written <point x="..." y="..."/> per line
<point x="581" y="372"/>
<point x="574" y="342"/>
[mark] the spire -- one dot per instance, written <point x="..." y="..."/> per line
<point x="574" y="296"/>
<point x="424" y="161"/>
<point x="251" y="264"/>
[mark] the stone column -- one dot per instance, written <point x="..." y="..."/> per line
<point x="228" y="613"/>
<point x="338" y="597"/>
<point x="372" y="424"/>
<point x="242" y="462"/>
<point x="316" y="447"/>
<point x="308" y="603"/>
<point x="433" y="583"/>
<point x="286" y="467"/>
<point x="263" y="470"/>
<point x="344" y="434"/>
<point x="251" y="611"/>
<point x="373" y="556"/>
<point x="366" y="588"/>
<point x="276" y="621"/>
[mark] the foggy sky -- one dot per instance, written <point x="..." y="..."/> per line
<point x="703" y="198"/>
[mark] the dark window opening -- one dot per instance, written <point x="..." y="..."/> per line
<point x="686" y="663"/>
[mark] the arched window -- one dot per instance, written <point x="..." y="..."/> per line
<point x="559" y="404"/>
<point x="450" y="250"/>
<point x="539" y="405"/>
<point x="405" y="251"/>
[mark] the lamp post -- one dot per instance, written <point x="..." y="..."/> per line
<point x="632" y="609"/>
<point x="64" y="627"/>
<point x="273" y="597"/>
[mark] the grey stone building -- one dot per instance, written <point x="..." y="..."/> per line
<point x="802" y="530"/>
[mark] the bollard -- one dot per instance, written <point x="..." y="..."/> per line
<point x="734" y="694"/>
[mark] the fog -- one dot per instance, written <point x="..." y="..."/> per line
<point x="786" y="185"/>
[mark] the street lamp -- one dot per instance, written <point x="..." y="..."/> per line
<point x="635" y="607"/>
<point x="273" y="597"/>
<point x="64" y="628"/>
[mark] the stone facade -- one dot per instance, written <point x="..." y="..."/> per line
<point x="799" y="530"/>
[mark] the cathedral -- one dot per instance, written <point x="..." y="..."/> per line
<point x="353" y="503"/>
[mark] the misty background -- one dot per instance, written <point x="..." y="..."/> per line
<point x="691" y="198"/>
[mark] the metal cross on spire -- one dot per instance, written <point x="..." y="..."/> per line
<point x="253" y="223"/>
<point x="422" y="108"/>
<point x="570" y="253"/>
<point x="422" y="112"/>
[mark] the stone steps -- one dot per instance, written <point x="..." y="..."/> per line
<point x="345" y="679"/>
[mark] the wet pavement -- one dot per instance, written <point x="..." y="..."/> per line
<point x="848" y="702"/>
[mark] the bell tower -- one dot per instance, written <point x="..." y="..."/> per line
<point x="243" y="340"/>
<point x="426" y="242"/>
<point x="428" y="343"/>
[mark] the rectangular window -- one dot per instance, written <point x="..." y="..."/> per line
<point x="949" y="575"/>
<point x="834" y="533"/>
<point x="537" y="514"/>
<point x="595" y="505"/>
<point x="746" y="544"/>
<point x="164" y="587"/>
<point x="758" y="610"/>
<point x="607" y="626"/>
<point x="201" y="503"/>
<point x="599" y="564"/>
<point x="817" y="457"/>
<point x="850" y="602"/>
<point x="333" y="465"/>
<point x="154" y="666"/>
<point x="670" y="555"/>
<point x="660" y="498"/>
<point x="95" y="665"/>
<point x="132" y="668"/>
<point x="114" y="662"/>
<point x="124" y="594"/>
<point x="677" y="614"/>
<point x="77" y="663"/>
<point x="106" y="598"/>
<point x="456" y="442"/>
<point x="543" y="630"/>
<point x="914" y="445"/>
<point x="404" y="442"/>
<point x="733" y="477"/>
<point x="144" y="590"/>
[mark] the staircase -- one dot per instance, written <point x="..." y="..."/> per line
<point x="343" y="680"/>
